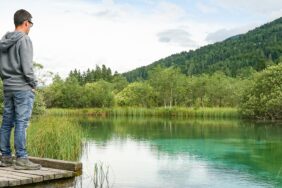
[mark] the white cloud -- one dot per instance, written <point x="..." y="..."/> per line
<point x="275" y="14"/>
<point x="223" y="34"/>
<point x="206" y="8"/>
<point x="170" y="11"/>
<point x="177" y="36"/>
<point x="261" y="6"/>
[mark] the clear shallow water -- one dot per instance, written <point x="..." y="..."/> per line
<point x="149" y="153"/>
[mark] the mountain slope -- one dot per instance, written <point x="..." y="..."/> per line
<point x="256" y="49"/>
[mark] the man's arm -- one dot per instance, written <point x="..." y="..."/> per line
<point x="26" y="58"/>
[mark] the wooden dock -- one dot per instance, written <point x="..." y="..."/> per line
<point x="51" y="170"/>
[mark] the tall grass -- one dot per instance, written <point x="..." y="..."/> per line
<point x="54" y="137"/>
<point x="214" y="112"/>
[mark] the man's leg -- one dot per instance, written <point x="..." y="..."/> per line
<point x="5" y="132"/>
<point x="23" y="109"/>
<point x="23" y="102"/>
<point x="7" y="123"/>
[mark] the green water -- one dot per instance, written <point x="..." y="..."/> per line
<point x="149" y="152"/>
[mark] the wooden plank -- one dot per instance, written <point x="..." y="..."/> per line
<point x="65" y="173"/>
<point x="58" y="173"/>
<point x="60" y="183"/>
<point x="21" y="177"/>
<point x="47" y="175"/>
<point x="16" y="178"/>
<point x="4" y="182"/>
<point x="58" y="164"/>
<point x="35" y="178"/>
<point x="52" y="169"/>
<point x="11" y="180"/>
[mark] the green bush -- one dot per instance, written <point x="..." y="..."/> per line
<point x="98" y="94"/>
<point x="39" y="106"/>
<point x="136" y="94"/>
<point x="263" y="100"/>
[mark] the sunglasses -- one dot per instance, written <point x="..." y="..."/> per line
<point x="31" y="23"/>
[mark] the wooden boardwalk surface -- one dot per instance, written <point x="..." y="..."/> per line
<point x="51" y="170"/>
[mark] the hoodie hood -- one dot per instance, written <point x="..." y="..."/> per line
<point x="9" y="39"/>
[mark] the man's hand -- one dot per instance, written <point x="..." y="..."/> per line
<point x="33" y="90"/>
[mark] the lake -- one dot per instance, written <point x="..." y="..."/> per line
<point x="155" y="152"/>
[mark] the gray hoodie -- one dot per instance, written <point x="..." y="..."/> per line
<point x="16" y="62"/>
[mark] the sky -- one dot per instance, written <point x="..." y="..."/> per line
<point x="127" y="34"/>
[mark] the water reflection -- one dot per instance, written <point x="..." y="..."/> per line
<point x="183" y="153"/>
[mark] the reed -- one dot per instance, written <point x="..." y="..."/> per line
<point x="54" y="137"/>
<point x="101" y="175"/>
<point x="213" y="112"/>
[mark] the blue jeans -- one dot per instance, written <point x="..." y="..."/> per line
<point x="17" y="112"/>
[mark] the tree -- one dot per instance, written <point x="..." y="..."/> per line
<point x="42" y="75"/>
<point x="198" y="90"/>
<point x="53" y="93"/>
<point x="119" y="83"/>
<point x="263" y="100"/>
<point x="219" y="90"/>
<point x="39" y="106"/>
<point x="136" y="94"/>
<point x="98" y="94"/>
<point x="167" y="84"/>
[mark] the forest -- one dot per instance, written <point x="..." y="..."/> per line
<point x="235" y="56"/>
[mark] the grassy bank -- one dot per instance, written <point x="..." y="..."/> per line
<point x="54" y="137"/>
<point x="147" y="112"/>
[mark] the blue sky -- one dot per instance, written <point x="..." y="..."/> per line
<point x="126" y="34"/>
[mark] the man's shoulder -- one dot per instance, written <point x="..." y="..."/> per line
<point x="25" y="38"/>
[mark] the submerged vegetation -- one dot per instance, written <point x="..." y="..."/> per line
<point x="101" y="175"/>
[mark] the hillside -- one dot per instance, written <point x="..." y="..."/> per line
<point x="256" y="49"/>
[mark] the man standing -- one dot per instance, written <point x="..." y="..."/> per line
<point x="19" y="83"/>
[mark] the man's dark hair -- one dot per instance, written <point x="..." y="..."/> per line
<point x="20" y="16"/>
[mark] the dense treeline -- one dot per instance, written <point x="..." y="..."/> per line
<point x="169" y="87"/>
<point x="235" y="56"/>
<point x="92" y="88"/>
<point x="165" y="87"/>
<point x="92" y="75"/>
